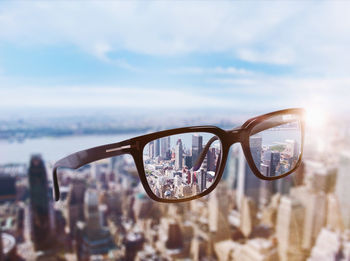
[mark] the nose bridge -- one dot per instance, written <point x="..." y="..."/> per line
<point x="234" y="136"/>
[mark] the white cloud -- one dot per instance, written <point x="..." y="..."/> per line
<point x="312" y="36"/>
<point x="108" y="97"/>
<point x="210" y="70"/>
<point x="249" y="93"/>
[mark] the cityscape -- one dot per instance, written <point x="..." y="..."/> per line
<point x="105" y="214"/>
<point x="75" y="76"/>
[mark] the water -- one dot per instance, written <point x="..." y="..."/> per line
<point x="54" y="148"/>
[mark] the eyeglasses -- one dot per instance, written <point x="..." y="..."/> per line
<point x="187" y="163"/>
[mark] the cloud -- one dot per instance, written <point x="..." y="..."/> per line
<point x="244" y="94"/>
<point x="312" y="36"/>
<point x="108" y="97"/>
<point x="309" y="38"/>
<point x="210" y="70"/>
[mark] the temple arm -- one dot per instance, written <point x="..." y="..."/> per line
<point x="269" y="123"/>
<point x="81" y="158"/>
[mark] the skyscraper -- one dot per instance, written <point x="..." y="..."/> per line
<point x="315" y="204"/>
<point x="289" y="229"/>
<point x="275" y="161"/>
<point x="39" y="204"/>
<point x="342" y="187"/>
<point x="211" y="159"/>
<point x="151" y="149"/>
<point x="266" y="189"/>
<point x="188" y="161"/>
<point x="174" y="239"/>
<point x="292" y="149"/>
<point x="218" y="204"/>
<point x="230" y="174"/>
<point x="202" y="179"/>
<point x="178" y="155"/>
<point x="76" y="204"/>
<point x="156" y="148"/>
<point x="165" y="147"/>
<point x="197" y="146"/>
<point x="272" y="159"/>
<point x="95" y="239"/>
<point x="247" y="183"/>
<point x="7" y="187"/>
<point x="255" y="143"/>
<point x="248" y="216"/>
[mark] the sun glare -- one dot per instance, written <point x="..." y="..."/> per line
<point x="315" y="118"/>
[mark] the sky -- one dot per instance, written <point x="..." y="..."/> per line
<point x="162" y="55"/>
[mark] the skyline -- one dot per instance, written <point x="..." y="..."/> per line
<point x="119" y="56"/>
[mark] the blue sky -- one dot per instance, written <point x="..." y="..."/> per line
<point x="221" y="55"/>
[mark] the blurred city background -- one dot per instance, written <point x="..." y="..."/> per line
<point x="75" y="75"/>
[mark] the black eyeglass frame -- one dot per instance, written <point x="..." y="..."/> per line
<point x="135" y="147"/>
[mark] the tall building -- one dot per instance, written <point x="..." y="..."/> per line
<point x="283" y="185"/>
<point x="41" y="227"/>
<point x="218" y="205"/>
<point x="289" y="229"/>
<point x="272" y="160"/>
<point x="211" y="159"/>
<point x="247" y="183"/>
<point x="174" y="239"/>
<point x="255" y="144"/>
<point x="165" y="147"/>
<point x="188" y="161"/>
<point x="230" y="174"/>
<point x="292" y="149"/>
<point x="94" y="239"/>
<point x="266" y="188"/>
<point x="275" y="162"/>
<point x="151" y="149"/>
<point x="197" y="146"/>
<point x="178" y="155"/>
<point x="342" y="187"/>
<point x="248" y="216"/>
<point x="334" y="217"/>
<point x="156" y="147"/>
<point x="315" y="204"/>
<point x="7" y="187"/>
<point x="202" y="179"/>
<point x="75" y="204"/>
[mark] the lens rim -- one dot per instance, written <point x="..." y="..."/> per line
<point x="219" y="162"/>
<point x="138" y="158"/>
<point x="250" y="124"/>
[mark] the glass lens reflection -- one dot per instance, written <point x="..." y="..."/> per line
<point x="276" y="145"/>
<point x="182" y="165"/>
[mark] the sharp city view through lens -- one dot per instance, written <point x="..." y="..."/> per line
<point x="183" y="165"/>
<point x="75" y="76"/>
<point x="276" y="150"/>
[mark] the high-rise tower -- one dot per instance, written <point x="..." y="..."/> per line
<point x="39" y="204"/>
